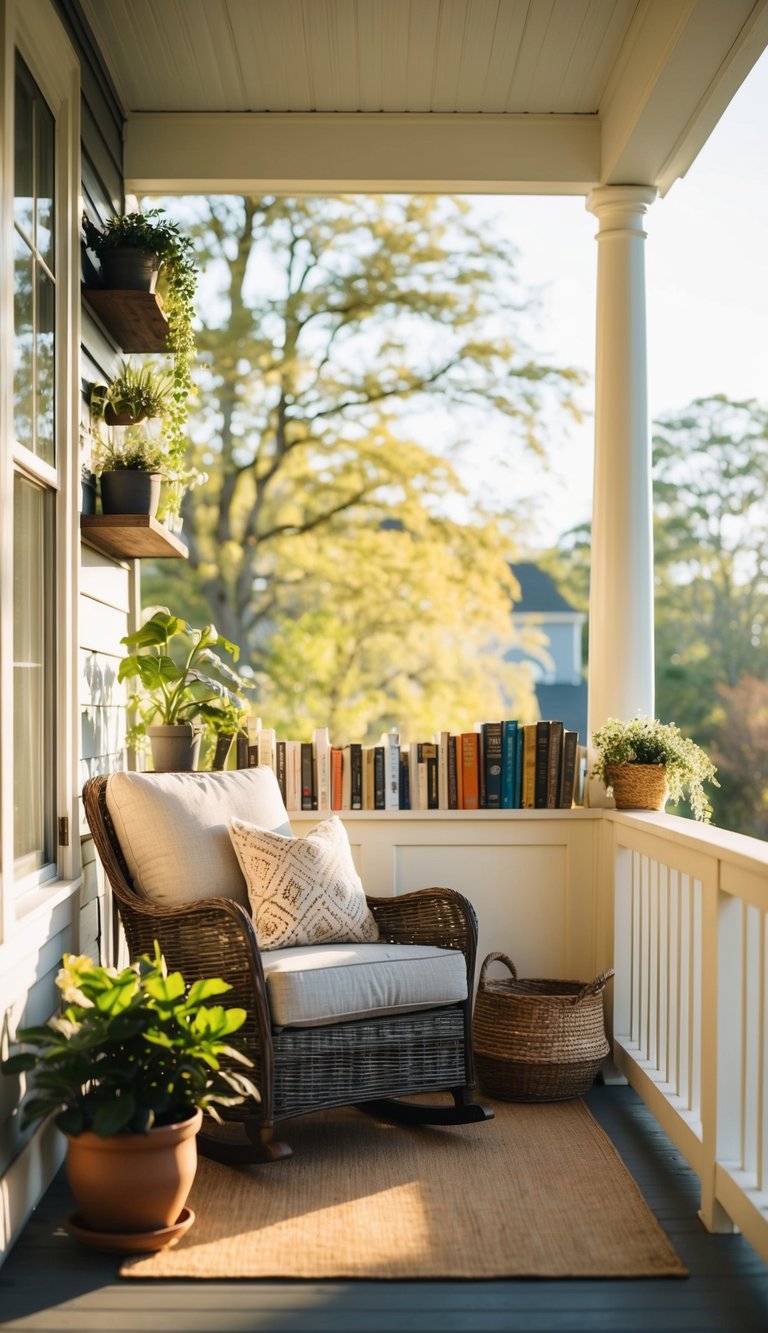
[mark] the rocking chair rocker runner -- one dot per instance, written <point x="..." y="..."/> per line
<point x="372" y="1061"/>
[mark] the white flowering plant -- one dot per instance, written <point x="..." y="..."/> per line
<point x="131" y="1049"/>
<point x="645" y="740"/>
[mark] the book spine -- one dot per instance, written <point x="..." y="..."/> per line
<point x="337" y="773"/>
<point x="292" y="776"/>
<point x="368" y="778"/>
<point x="570" y="757"/>
<point x="508" y="765"/>
<point x="529" y="766"/>
<point x="356" y="777"/>
<point x="280" y="769"/>
<point x="265" y="748"/>
<point x="443" y="794"/>
<point x="555" y="764"/>
<point x="413" y="764"/>
<point x="221" y="753"/>
<point x="428" y="776"/>
<point x="492" y="761"/>
<point x="379" y="779"/>
<point x="391" y="743"/>
<point x="405" y="779"/>
<point x="453" y="786"/>
<point x="241" y="749"/>
<point x="481" y="767"/>
<point x="307" y="777"/>
<point x="322" y="752"/>
<point x="470" y="769"/>
<point x="254" y="757"/>
<point x="459" y="772"/>
<point x="541" y="766"/>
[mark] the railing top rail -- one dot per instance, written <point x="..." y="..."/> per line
<point x="735" y="848"/>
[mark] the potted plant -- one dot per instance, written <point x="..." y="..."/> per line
<point x="183" y="683"/>
<point x="131" y="473"/>
<point x="137" y="393"/>
<point x="645" y="762"/>
<point x="127" y="1068"/>
<point x="134" y="250"/>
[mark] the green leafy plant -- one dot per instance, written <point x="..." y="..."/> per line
<point x="181" y="677"/>
<point x="131" y="1049"/>
<point x="136" y="391"/>
<point x="153" y="233"/>
<point x="645" y="740"/>
<point x="135" y="453"/>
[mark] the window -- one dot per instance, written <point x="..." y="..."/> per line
<point x="35" y="483"/>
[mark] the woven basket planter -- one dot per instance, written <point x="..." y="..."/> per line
<point x="638" y="786"/>
<point x="538" y="1040"/>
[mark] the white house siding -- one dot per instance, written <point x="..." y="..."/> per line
<point x="66" y="920"/>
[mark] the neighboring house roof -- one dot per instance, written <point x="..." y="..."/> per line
<point x="568" y="703"/>
<point x="538" y="591"/>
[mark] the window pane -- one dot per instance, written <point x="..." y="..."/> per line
<point x="33" y="673"/>
<point x="45" y="367"/>
<point x="23" y="206"/>
<point x="23" y="344"/>
<point x="45" y="128"/>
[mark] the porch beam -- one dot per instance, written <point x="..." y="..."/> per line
<point x="194" y="152"/>
<point x="621" y="655"/>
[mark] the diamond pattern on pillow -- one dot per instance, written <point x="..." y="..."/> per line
<point x="303" y="890"/>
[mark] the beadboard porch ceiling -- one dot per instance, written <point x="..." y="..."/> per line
<point x="544" y="95"/>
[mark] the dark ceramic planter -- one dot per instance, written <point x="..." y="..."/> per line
<point x="127" y="269"/>
<point x="129" y="491"/>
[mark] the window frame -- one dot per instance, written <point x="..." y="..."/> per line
<point x="32" y="28"/>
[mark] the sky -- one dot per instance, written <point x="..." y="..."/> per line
<point x="707" y="290"/>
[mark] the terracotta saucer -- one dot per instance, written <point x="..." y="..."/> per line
<point x="130" y="1242"/>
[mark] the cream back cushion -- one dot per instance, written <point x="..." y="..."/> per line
<point x="302" y="890"/>
<point x="172" y="828"/>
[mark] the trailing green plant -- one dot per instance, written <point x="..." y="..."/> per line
<point x="645" y="740"/>
<point x="135" y="453"/>
<point x="131" y="1049"/>
<point x="153" y="233"/>
<point x="180" y="676"/>
<point x="140" y="391"/>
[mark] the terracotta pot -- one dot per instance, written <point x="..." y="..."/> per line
<point x="175" y="749"/>
<point x="133" y="1182"/>
<point x="113" y="418"/>
<point x="638" y="786"/>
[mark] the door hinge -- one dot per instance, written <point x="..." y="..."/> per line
<point x="64" y="831"/>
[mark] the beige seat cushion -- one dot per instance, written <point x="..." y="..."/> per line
<point x="302" y="890"/>
<point x="172" y="828"/>
<point x="332" y="983"/>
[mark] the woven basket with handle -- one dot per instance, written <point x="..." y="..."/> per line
<point x="538" y="1040"/>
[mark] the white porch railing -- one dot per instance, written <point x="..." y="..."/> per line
<point x="691" y="906"/>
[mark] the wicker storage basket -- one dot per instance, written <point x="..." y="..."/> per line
<point x="538" y="1040"/>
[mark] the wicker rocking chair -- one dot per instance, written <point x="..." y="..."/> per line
<point x="370" y="1063"/>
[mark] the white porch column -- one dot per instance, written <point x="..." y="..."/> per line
<point x="621" y="657"/>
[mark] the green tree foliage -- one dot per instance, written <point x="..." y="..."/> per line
<point x="711" y="551"/>
<point x="740" y="750"/>
<point x="336" y="547"/>
<point x="711" y="573"/>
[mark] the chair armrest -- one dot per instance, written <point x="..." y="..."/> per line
<point x="441" y="917"/>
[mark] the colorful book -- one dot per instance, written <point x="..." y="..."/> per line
<point x="493" y="750"/>
<point x="379" y="779"/>
<point x="405" y="779"/>
<point x="508" y="765"/>
<point x="280" y="770"/>
<point x="470" y="769"/>
<point x="453" y="785"/>
<point x="321" y="747"/>
<point x="337" y="777"/>
<point x="529" y="766"/>
<point x="308" y="797"/>
<point x="568" y="770"/>
<point x="541" y="769"/>
<point x="554" y="764"/>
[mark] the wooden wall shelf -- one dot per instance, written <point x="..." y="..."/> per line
<point x="134" y="319"/>
<point x="131" y="537"/>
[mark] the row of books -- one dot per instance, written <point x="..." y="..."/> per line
<point x="500" y="766"/>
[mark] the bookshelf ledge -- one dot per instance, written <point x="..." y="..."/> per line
<point x="131" y="537"/>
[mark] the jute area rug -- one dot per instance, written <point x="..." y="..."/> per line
<point x="539" y="1191"/>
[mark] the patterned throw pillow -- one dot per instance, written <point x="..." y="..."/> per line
<point x="302" y="890"/>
